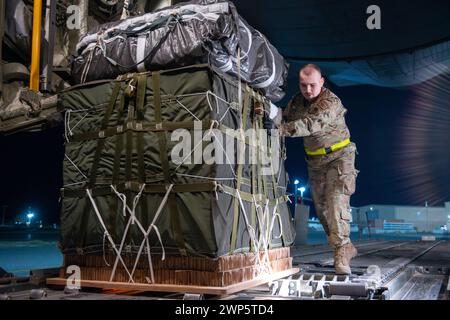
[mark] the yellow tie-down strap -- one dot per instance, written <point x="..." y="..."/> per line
<point x="328" y="150"/>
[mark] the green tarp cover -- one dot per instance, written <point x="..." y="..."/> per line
<point x="119" y="134"/>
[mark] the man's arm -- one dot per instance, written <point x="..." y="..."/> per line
<point x="323" y="113"/>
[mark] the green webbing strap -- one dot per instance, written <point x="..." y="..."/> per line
<point x="140" y="96"/>
<point x="96" y="160"/>
<point x="137" y="127"/>
<point x="140" y="102"/>
<point x="101" y="141"/>
<point x="140" y="112"/>
<point x="248" y="197"/>
<point x="275" y="189"/>
<point x="175" y="216"/>
<point x="265" y="190"/>
<point x="254" y="189"/>
<point x="119" y="142"/>
<point x="158" y="119"/>
<point x="129" y="145"/>
<point x="241" y="154"/>
<point x="135" y="187"/>
<point x="117" y="157"/>
<point x="260" y="184"/>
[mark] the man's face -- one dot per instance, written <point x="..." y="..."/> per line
<point x="311" y="83"/>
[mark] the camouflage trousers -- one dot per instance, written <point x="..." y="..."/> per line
<point x="332" y="180"/>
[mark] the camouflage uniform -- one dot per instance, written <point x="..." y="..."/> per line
<point x="332" y="176"/>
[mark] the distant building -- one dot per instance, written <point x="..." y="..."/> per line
<point x="406" y="218"/>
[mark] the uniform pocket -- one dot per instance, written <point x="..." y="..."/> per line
<point x="348" y="182"/>
<point x="347" y="177"/>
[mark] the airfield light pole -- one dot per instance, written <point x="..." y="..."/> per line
<point x="296" y="182"/>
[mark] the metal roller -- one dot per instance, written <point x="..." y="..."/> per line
<point x="346" y="289"/>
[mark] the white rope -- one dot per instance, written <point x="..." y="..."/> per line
<point x="66" y="124"/>
<point x="78" y="169"/>
<point x="250" y="229"/>
<point x="147" y="233"/>
<point x="230" y="104"/>
<point x="67" y="114"/>
<point x="203" y="177"/>
<point x="271" y="79"/>
<point x="196" y="118"/>
<point x="265" y="234"/>
<point x="209" y="92"/>
<point x="210" y="131"/>
<point x="209" y="103"/>
<point x="131" y="221"/>
<point x="190" y="94"/>
<point x="261" y="266"/>
<point x="111" y="241"/>
<point x="104" y="251"/>
<point x="76" y="124"/>
<point x="87" y="65"/>
<point x="250" y="40"/>
<point x="192" y="151"/>
<point x="224" y="114"/>
<point x="272" y="224"/>
<point x="74" y="184"/>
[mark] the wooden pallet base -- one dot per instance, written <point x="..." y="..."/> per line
<point x="178" y="288"/>
<point x="181" y="270"/>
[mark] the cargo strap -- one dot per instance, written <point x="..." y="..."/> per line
<point x="254" y="188"/>
<point x="324" y="151"/>
<point x="266" y="194"/>
<point x="149" y="189"/>
<point x="140" y="112"/>
<point x="248" y="197"/>
<point x="101" y="142"/>
<point x="119" y="142"/>
<point x="137" y="126"/>
<point x="175" y="215"/>
<point x="241" y="155"/>
<point x="98" y="151"/>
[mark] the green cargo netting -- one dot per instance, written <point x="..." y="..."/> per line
<point x="118" y="152"/>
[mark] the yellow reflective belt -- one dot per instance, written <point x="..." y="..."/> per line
<point x="329" y="150"/>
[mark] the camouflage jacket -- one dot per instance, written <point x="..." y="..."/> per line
<point x="321" y="122"/>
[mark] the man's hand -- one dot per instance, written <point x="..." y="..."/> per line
<point x="286" y="129"/>
<point x="268" y="124"/>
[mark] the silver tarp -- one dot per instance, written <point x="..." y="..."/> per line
<point x="192" y="32"/>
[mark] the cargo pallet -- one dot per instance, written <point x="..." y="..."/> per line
<point x="216" y="291"/>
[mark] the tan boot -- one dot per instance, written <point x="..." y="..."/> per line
<point x="342" y="257"/>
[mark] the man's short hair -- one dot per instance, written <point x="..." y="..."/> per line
<point x="310" y="66"/>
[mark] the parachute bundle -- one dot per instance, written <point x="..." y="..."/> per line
<point x="185" y="34"/>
